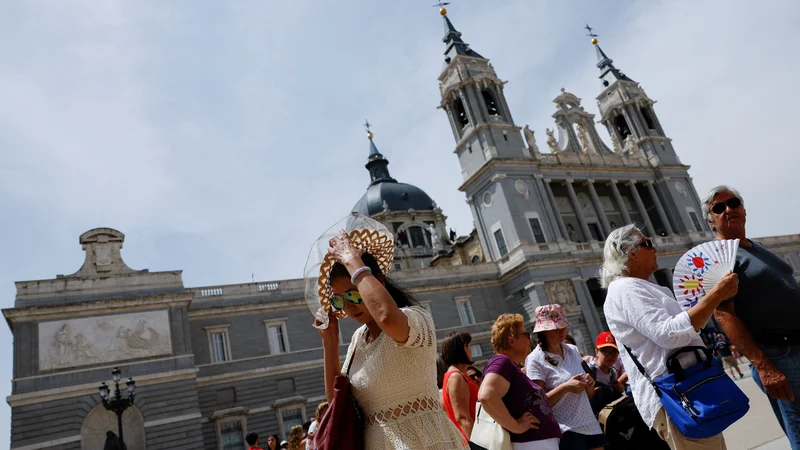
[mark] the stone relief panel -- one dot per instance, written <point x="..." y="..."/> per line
<point x="681" y="189"/>
<point x="522" y="188"/>
<point x="629" y="204"/>
<point x="92" y="340"/>
<point x="586" y="204"/>
<point x="100" y="421"/>
<point x="562" y="292"/>
<point x="564" y="205"/>
<point x="608" y="204"/>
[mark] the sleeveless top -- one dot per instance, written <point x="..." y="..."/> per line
<point x="448" y="406"/>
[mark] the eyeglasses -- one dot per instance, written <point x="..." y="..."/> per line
<point x="732" y="203"/>
<point x="354" y="297"/>
<point x="647" y="243"/>
<point x="527" y="334"/>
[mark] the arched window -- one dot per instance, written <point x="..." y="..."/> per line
<point x="622" y="126"/>
<point x="418" y="236"/>
<point x="476" y="259"/>
<point x="491" y="103"/>
<point x="648" y="118"/>
<point x="402" y="239"/>
<point x="459" y="113"/>
<point x="99" y="421"/>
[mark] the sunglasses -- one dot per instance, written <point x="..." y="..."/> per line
<point x="354" y="297"/>
<point x="647" y="243"/>
<point x="474" y="376"/>
<point x="609" y="351"/>
<point x="731" y="203"/>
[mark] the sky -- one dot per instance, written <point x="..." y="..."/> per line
<point x="223" y="137"/>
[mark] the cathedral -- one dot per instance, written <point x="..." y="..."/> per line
<point x="212" y="363"/>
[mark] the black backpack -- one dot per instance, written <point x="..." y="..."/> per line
<point x="624" y="428"/>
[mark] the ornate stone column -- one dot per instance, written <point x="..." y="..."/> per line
<point x="576" y="206"/>
<point x="598" y="207"/>
<point x="587" y="307"/>
<point x="623" y="210"/>
<point x="596" y="314"/>
<point x="552" y="199"/>
<point x="549" y="214"/>
<point x="659" y="207"/>
<point x="642" y="211"/>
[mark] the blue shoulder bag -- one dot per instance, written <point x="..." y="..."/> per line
<point x="701" y="400"/>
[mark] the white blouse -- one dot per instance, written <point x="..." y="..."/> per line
<point x="573" y="412"/>
<point x="647" y="318"/>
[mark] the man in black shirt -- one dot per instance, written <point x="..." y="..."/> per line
<point x="762" y="319"/>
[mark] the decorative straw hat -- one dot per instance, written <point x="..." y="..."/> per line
<point x="366" y="234"/>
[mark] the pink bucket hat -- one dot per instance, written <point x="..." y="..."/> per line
<point x="550" y="317"/>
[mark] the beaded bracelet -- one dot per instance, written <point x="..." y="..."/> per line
<point x="359" y="272"/>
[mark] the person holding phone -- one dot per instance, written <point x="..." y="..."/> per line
<point x="559" y="368"/>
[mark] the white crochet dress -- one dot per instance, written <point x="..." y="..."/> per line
<point x="396" y="387"/>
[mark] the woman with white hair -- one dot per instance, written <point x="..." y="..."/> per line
<point x="762" y="319"/>
<point x="645" y="317"/>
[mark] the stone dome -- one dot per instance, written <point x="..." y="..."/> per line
<point x="398" y="197"/>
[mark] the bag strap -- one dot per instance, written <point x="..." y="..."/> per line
<point x="352" y="356"/>
<point x="674" y="365"/>
<point x="641" y="369"/>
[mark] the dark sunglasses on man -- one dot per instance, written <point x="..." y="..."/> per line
<point x="732" y="203"/>
<point x="647" y="243"/>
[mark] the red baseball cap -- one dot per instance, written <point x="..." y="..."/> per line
<point x="606" y="339"/>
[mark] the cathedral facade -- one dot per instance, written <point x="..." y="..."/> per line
<point x="213" y="363"/>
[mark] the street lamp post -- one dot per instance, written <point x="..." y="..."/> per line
<point x="115" y="402"/>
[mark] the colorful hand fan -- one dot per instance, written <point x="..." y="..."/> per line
<point x="701" y="268"/>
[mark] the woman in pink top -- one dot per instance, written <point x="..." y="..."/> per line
<point x="459" y="392"/>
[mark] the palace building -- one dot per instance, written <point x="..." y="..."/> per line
<point x="212" y="363"/>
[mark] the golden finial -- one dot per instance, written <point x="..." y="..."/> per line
<point x="366" y="127"/>
<point x="592" y="35"/>
<point x="442" y="9"/>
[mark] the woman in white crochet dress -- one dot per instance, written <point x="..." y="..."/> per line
<point x="393" y="373"/>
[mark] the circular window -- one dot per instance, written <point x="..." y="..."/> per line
<point x="487" y="198"/>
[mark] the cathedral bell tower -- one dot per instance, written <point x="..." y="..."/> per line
<point x="507" y="201"/>
<point x="472" y="96"/>
<point x="635" y="130"/>
<point x="628" y="113"/>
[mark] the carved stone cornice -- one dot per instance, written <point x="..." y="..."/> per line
<point x="498" y="176"/>
<point x="81" y="390"/>
<point x="93" y="307"/>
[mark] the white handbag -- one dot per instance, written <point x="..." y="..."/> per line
<point x="487" y="433"/>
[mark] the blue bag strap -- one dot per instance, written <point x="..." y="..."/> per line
<point x="641" y="369"/>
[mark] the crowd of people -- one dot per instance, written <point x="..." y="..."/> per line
<point x="299" y="438"/>
<point x="542" y="392"/>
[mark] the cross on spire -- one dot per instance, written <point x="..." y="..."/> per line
<point x="441" y="4"/>
<point x="591" y="35"/>
<point x="366" y="126"/>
